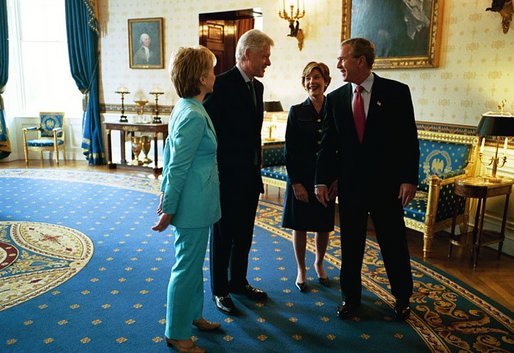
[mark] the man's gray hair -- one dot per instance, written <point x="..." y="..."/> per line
<point x="254" y="40"/>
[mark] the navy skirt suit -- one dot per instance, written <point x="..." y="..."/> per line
<point x="303" y="138"/>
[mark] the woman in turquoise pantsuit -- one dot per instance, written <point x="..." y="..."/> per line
<point x="190" y="199"/>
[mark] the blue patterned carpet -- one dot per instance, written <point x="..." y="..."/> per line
<point x="81" y="271"/>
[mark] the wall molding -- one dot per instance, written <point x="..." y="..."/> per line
<point x="132" y="108"/>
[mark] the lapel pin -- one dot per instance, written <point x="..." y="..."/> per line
<point x="379" y="103"/>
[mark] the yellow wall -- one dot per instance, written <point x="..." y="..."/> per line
<point x="476" y="66"/>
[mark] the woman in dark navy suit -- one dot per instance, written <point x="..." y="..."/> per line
<point x="302" y="211"/>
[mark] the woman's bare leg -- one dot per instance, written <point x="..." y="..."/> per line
<point x="299" y="244"/>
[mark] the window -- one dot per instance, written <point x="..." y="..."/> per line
<point x="39" y="70"/>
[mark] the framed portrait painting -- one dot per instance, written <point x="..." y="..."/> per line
<point x="406" y="33"/>
<point x="146" y="43"/>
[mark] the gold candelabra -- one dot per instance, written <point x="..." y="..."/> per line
<point x="123" y="91"/>
<point x="495" y="161"/>
<point x="156" y="119"/>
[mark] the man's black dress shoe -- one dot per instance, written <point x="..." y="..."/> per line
<point x="251" y="292"/>
<point x="225" y="304"/>
<point x="402" y="311"/>
<point x="345" y="310"/>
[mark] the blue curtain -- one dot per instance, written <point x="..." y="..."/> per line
<point x="82" y="32"/>
<point x="5" y="147"/>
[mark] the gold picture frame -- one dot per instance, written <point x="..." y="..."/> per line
<point x="146" y="43"/>
<point x="406" y="33"/>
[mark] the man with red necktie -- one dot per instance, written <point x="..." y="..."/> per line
<point x="370" y="131"/>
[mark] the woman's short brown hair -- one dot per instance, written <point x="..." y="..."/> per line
<point x="189" y="65"/>
<point x="323" y="69"/>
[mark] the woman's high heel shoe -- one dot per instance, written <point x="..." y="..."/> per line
<point x="184" y="346"/>
<point x="301" y="286"/>
<point x="324" y="281"/>
<point x="206" y="325"/>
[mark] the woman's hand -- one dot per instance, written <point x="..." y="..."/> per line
<point x="300" y="192"/>
<point x="163" y="223"/>
<point x="159" y="208"/>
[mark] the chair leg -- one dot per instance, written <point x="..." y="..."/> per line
<point x="41" y="156"/>
<point x="427" y="243"/>
<point x="64" y="152"/>
<point x="26" y="151"/>
<point x="56" y="149"/>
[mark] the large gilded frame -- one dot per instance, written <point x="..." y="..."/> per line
<point x="383" y="22"/>
<point x="153" y="27"/>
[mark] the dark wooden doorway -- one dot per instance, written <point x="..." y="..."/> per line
<point x="220" y="31"/>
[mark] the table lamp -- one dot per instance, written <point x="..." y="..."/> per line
<point x="271" y="107"/>
<point x="497" y="125"/>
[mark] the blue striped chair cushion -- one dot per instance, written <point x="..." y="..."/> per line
<point x="43" y="143"/>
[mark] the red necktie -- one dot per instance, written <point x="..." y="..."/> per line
<point x="359" y="116"/>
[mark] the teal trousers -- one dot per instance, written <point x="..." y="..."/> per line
<point x="185" y="289"/>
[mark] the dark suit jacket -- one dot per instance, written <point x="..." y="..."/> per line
<point x="389" y="153"/>
<point x="238" y="126"/>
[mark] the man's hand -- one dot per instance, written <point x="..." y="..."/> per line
<point x="407" y="193"/>
<point x="164" y="222"/>
<point x="321" y="192"/>
<point x="300" y="192"/>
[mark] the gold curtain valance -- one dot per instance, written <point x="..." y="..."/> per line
<point x="92" y="8"/>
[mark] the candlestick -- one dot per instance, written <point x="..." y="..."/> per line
<point x="156" y="119"/>
<point x="123" y="91"/>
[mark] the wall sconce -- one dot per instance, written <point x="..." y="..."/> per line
<point x="498" y="125"/>
<point x="292" y="11"/>
<point x="505" y="8"/>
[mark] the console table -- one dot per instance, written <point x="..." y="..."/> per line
<point x="125" y="128"/>
<point x="481" y="189"/>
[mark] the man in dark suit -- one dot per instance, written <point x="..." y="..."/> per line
<point x="370" y="126"/>
<point x="236" y="110"/>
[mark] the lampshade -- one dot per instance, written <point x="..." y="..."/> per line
<point x="273" y="106"/>
<point x="496" y="125"/>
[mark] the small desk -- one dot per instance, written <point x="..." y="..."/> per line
<point x="130" y="127"/>
<point x="480" y="189"/>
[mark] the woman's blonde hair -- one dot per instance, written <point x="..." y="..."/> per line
<point x="189" y="65"/>
<point x="323" y="69"/>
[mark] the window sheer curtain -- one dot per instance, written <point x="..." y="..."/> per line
<point x="5" y="147"/>
<point x="82" y="33"/>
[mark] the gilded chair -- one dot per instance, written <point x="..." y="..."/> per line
<point x="50" y="136"/>
<point x="273" y="169"/>
<point x="443" y="159"/>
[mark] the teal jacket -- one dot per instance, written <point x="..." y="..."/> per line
<point x="190" y="181"/>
